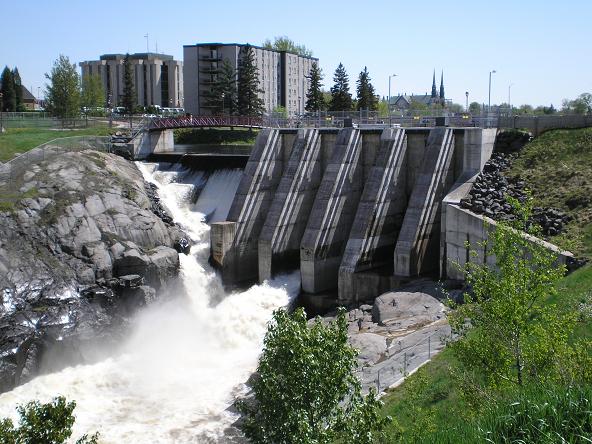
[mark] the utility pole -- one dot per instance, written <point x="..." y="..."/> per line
<point x="147" y="47"/>
<point x="467" y="101"/>
<point x="510" y="98"/>
<point x="1" y="113"/>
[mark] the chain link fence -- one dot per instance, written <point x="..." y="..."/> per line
<point x="14" y="168"/>
<point x="404" y="356"/>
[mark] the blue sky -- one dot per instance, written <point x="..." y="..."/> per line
<point x="542" y="47"/>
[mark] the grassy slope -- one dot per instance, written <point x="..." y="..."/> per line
<point x="20" y="140"/>
<point x="441" y="395"/>
<point x="222" y="136"/>
<point x="557" y="166"/>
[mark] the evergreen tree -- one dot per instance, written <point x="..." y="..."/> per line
<point x="249" y="102"/>
<point x="18" y="89"/>
<point x="8" y="93"/>
<point x="128" y="101"/>
<point x="62" y="95"/>
<point x="315" y="101"/>
<point x="341" y="99"/>
<point x="222" y="96"/>
<point x="366" y="95"/>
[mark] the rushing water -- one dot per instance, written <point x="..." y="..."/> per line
<point x="186" y="359"/>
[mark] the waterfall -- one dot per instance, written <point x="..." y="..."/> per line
<point x="187" y="357"/>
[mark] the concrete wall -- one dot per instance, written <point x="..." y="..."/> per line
<point x="152" y="142"/>
<point x="539" y="124"/>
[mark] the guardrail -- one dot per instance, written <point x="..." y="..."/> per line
<point x="11" y="170"/>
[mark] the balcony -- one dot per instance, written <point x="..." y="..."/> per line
<point x="210" y="58"/>
<point x="208" y="70"/>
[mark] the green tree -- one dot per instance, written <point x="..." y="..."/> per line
<point x="283" y="43"/>
<point x="62" y="95"/>
<point x="8" y="92"/>
<point x="367" y="99"/>
<point x="49" y="423"/>
<point x="93" y="94"/>
<point x="509" y="334"/>
<point x="18" y="89"/>
<point x="315" y="100"/>
<point x="526" y="109"/>
<point x="222" y="96"/>
<point x="249" y="103"/>
<point x="475" y="108"/>
<point x="128" y="100"/>
<point x="341" y="99"/>
<point x="306" y="391"/>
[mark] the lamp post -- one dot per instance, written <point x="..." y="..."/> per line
<point x="389" y="98"/>
<point x="467" y="101"/>
<point x="510" y="98"/>
<point x="489" y="102"/>
<point x="1" y="113"/>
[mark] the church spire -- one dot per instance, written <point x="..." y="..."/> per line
<point x="434" y="90"/>
<point x="442" y="87"/>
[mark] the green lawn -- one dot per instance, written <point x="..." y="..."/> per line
<point x="19" y="140"/>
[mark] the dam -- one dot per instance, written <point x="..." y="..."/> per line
<point x="357" y="211"/>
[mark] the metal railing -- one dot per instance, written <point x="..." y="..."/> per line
<point x="14" y="168"/>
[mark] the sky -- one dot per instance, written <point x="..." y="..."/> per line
<point x="539" y="47"/>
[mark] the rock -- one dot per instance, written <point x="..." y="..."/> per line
<point x="182" y="245"/>
<point x="132" y="262"/>
<point x="371" y="347"/>
<point x="406" y="309"/>
<point x="131" y="280"/>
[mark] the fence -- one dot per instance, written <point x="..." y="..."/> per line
<point x="404" y="356"/>
<point x="11" y="170"/>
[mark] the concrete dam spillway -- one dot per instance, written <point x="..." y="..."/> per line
<point x="358" y="211"/>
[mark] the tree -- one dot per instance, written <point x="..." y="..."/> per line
<point x="475" y="108"/>
<point x="249" y="102"/>
<point x="341" y="99"/>
<point x="509" y="335"/>
<point x="8" y="92"/>
<point x="367" y="99"/>
<point x="583" y="104"/>
<point x="93" y="94"/>
<point x="128" y="100"/>
<point x="306" y="390"/>
<point x="18" y="89"/>
<point x="222" y="96"/>
<point x="283" y="43"/>
<point x="315" y="100"/>
<point x="526" y="109"/>
<point x="62" y="95"/>
<point x="43" y="423"/>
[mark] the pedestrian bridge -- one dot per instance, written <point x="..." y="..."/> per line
<point x="165" y="123"/>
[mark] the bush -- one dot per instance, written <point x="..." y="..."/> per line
<point x="49" y="423"/>
<point x="306" y="391"/>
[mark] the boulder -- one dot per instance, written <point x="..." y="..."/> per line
<point x="371" y="347"/>
<point x="406" y="309"/>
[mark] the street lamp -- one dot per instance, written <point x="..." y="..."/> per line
<point x="389" y="98"/>
<point x="467" y="101"/>
<point x="1" y="113"/>
<point x="510" y="98"/>
<point x="489" y="102"/>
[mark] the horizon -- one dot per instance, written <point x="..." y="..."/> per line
<point x="530" y="45"/>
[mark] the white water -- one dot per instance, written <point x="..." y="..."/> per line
<point x="186" y="359"/>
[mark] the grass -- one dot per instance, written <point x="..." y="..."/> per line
<point x="9" y="200"/>
<point x="19" y="140"/>
<point x="428" y="406"/>
<point x="557" y="166"/>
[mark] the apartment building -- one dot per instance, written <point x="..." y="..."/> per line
<point x="282" y="75"/>
<point x="158" y="78"/>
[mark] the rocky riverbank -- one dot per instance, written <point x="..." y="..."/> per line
<point x="84" y="242"/>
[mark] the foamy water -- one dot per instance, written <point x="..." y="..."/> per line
<point x="186" y="359"/>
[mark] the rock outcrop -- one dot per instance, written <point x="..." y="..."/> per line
<point x="83" y="242"/>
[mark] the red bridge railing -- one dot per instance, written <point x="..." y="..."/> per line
<point x="197" y="121"/>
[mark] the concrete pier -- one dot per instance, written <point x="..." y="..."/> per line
<point x="417" y="249"/>
<point x="332" y="214"/>
<point x="279" y="242"/>
<point x="366" y="267"/>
